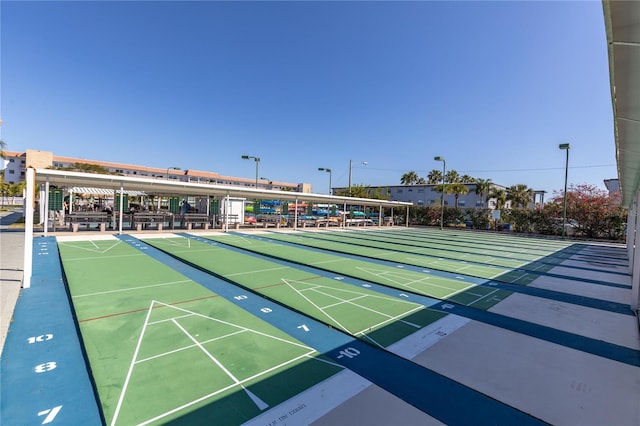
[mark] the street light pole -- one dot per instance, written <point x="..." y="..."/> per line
<point x="171" y="168"/>
<point x="257" y="160"/>
<point x="566" y="147"/>
<point x="324" y="169"/>
<point x="364" y="163"/>
<point x="444" y="169"/>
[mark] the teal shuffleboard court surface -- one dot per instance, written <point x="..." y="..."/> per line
<point x="163" y="348"/>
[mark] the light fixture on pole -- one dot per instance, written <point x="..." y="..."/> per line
<point x="444" y="169"/>
<point x="566" y="147"/>
<point x="269" y="181"/>
<point x="364" y="163"/>
<point x="171" y="168"/>
<point x="324" y="169"/>
<point x="257" y="160"/>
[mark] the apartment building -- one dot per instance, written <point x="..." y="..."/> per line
<point x="426" y="195"/>
<point x="16" y="163"/>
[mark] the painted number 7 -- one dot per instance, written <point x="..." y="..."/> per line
<point x="51" y="414"/>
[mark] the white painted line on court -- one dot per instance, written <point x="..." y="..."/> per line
<point x="256" y="271"/>
<point x="122" y="290"/>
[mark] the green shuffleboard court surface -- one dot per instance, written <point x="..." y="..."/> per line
<point x="380" y="319"/>
<point x="437" y="287"/>
<point x="520" y="272"/>
<point x="162" y="347"/>
<point x="469" y="245"/>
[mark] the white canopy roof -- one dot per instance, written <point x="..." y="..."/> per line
<point x="622" y="23"/>
<point x="161" y="187"/>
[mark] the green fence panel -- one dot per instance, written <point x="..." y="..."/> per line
<point x="125" y="202"/>
<point x="55" y="199"/>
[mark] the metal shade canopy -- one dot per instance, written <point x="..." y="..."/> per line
<point x="622" y="23"/>
<point x="162" y="187"/>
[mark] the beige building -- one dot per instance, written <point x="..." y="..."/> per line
<point x="16" y="163"/>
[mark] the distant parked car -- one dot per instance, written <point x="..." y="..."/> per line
<point x="570" y="227"/>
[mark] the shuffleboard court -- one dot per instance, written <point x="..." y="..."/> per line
<point x="424" y="283"/>
<point x="582" y="255"/>
<point x="360" y="312"/>
<point x="162" y="347"/>
<point x="547" y="255"/>
<point x="505" y="243"/>
<point x="312" y="239"/>
<point x="474" y="247"/>
<point x="440" y="251"/>
<point x="417" y="257"/>
<point x="483" y="255"/>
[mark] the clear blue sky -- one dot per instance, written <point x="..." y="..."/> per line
<point x="493" y="87"/>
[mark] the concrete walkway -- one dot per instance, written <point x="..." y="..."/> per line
<point x="11" y="264"/>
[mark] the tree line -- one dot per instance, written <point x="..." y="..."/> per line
<point x="591" y="213"/>
<point x="520" y="195"/>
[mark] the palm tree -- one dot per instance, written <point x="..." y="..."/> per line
<point x="499" y="195"/>
<point x="452" y="177"/>
<point x="434" y="176"/>
<point x="482" y="188"/>
<point x="467" y="179"/>
<point x="520" y="195"/>
<point x="409" y="178"/>
<point x="457" y="189"/>
<point x="3" y="145"/>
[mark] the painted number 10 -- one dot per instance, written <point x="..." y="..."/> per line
<point x="349" y="353"/>
<point x="40" y="338"/>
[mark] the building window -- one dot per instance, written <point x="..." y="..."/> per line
<point x="421" y="191"/>
<point x="399" y="191"/>
<point x="462" y="203"/>
<point x="12" y="160"/>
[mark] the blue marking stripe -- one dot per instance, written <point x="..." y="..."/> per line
<point x="575" y="341"/>
<point x="44" y="375"/>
